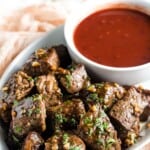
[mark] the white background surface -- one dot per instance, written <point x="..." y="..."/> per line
<point x="8" y="5"/>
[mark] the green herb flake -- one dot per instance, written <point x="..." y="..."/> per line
<point x="59" y="118"/>
<point x="94" y="97"/>
<point x="37" y="110"/>
<point x="68" y="80"/>
<point x="65" y="138"/>
<point x="87" y="120"/>
<point x="103" y="115"/>
<point x="30" y="111"/>
<point x="98" y="122"/>
<point x="30" y="79"/>
<point x="15" y="103"/>
<point x="109" y="142"/>
<point x="18" y="129"/>
<point x="35" y="97"/>
<point x="35" y="79"/>
<point x="101" y="99"/>
<point x="99" y="85"/>
<point x="90" y="131"/>
<point x="100" y="141"/>
<point x="75" y="148"/>
<point x="105" y="125"/>
<point x="105" y="108"/>
<point x="67" y="102"/>
<point x="101" y="126"/>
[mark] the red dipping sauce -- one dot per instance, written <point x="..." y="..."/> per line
<point x="115" y="37"/>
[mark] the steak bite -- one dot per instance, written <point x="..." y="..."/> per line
<point x="105" y="93"/>
<point x="47" y="86"/>
<point x="62" y="52"/>
<point x="4" y="107"/>
<point x="76" y="80"/>
<point x="125" y="115"/>
<point x="97" y="131"/>
<point x="146" y="113"/>
<point x="28" y="115"/>
<point x="68" y="114"/>
<point x="42" y="62"/>
<point x="22" y="85"/>
<point x="146" y="98"/>
<point x="33" y="141"/>
<point x="64" y="141"/>
<point x="18" y="86"/>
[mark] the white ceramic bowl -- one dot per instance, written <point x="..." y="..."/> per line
<point x="125" y="75"/>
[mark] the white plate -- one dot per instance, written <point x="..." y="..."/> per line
<point x="52" y="38"/>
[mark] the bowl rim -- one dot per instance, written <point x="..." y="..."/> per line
<point x="73" y="48"/>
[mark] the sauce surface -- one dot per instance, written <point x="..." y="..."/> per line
<point x="115" y="37"/>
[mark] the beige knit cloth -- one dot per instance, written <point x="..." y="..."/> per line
<point x="25" y="25"/>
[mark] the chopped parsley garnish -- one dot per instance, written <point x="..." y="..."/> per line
<point x="35" y="97"/>
<point x="105" y="125"/>
<point x="105" y="108"/>
<point x="18" y="129"/>
<point x="109" y="142"/>
<point x="68" y="80"/>
<point x="59" y="118"/>
<point x="15" y="102"/>
<point x="90" y="131"/>
<point x="101" y="126"/>
<point x="30" y="111"/>
<point x="99" y="85"/>
<point x="37" y="110"/>
<point x="65" y="138"/>
<point x="98" y="121"/>
<point x="94" y="97"/>
<point x="103" y="115"/>
<point x="87" y="120"/>
<point x="30" y="79"/>
<point x="133" y="137"/>
<point x="36" y="78"/>
<point x="100" y="141"/>
<point x="67" y="102"/>
<point x="75" y="148"/>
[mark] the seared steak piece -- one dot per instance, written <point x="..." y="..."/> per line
<point x="42" y="62"/>
<point x="105" y="93"/>
<point x="47" y="86"/>
<point x="97" y="131"/>
<point x="125" y="115"/>
<point x="62" y="52"/>
<point x="146" y="98"/>
<point x="68" y="114"/>
<point x="33" y="141"/>
<point x="22" y="84"/>
<point x="64" y="141"/>
<point x="5" y="114"/>
<point x="146" y="113"/>
<point x="75" y="80"/>
<point x="28" y="115"/>
<point x="18" y="86"/>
